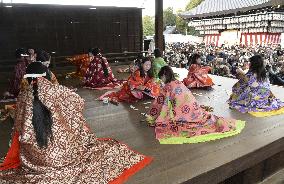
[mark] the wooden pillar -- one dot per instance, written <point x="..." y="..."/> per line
<point x="159" y="38"/>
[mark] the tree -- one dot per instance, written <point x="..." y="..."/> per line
<point x="181" y="24"/>
<point x="169" y="18"/>
<point x="192" y="4"/>
<point x="148" y="26"/>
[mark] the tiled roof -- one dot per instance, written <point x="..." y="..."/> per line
<point x="223" y="7"/>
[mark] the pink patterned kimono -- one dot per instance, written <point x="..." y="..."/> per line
<point x="75" y="155"/>
<point x="179" y="119"/>
<point x="97" y="78"/>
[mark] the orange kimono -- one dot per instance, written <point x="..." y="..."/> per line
<point x="82" y="63"/>
<point x="197" y="77"/>
<point x="130" y="92"/>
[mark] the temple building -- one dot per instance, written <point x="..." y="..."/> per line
<point x="246" y="22"/>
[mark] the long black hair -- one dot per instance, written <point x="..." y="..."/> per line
<point x="43" y="56"/>
<point x="168" y="72"/>
<point x="41" y="121"/>
<point x="97" y="52"/>
<point x="257" y="67"/>
<point x="157" y="53"/>
<point x="193" y="58"/>
<point x="141" y="62"/>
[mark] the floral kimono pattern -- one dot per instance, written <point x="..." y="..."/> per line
<point x="178" y="118"/>
<point x="250" y="95"/>
<point x="82" y="63"/>
<point x="197" y="77"/>
<point x="130" y="93"/>
<point x="75" y="155"/>
<point x="97" y="77"/>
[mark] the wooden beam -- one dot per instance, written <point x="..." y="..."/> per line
<point x="159" y="38"/>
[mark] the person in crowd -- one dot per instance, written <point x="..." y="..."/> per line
<point x="210" y="57"/>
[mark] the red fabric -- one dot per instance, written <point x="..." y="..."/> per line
<point x="82" y="63"/>
<point x="212" y="38"/>
<point x="264" y="38"/>
<point x="129" y="91"/>
<point x="131" y="171"/>
<point x="12" y="159"/>
<point x="217" y="41"/>
<point x="197" y="77"/>
<point x="95" y="76"/>
<point x="256" y="39"/>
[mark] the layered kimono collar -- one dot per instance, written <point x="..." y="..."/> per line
<point x="35" y="75"/>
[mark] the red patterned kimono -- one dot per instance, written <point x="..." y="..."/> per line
<point x="82" y="63"/>
<point x="19" y="72"/>
<point x="197" y="77"/>
<point x="130" y="93"/>
<point x="96" y="78"/>
<point x="75" y="156"/>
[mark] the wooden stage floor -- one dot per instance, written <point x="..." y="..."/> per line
<point x="210" y="162"/>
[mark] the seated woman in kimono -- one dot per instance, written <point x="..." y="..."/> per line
<point x="44" y="58"/>
<point x="99" y="74"/>
<point x="82" y="62"/>
<point x="197" y="75"/>
<point x="158" y="63"/>
<point x="53" y="144"/>
<point x="179" y="119"/>
<point x="32" y="54"/>
<point x="19" y="72"/>
<point x="139" y="84"/>
<point x="252" y="92"/>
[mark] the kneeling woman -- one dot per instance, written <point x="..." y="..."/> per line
<point x="99" y="74"/>
<point x="197" y="75"/>
<point x="179" y="119"/>
<point x="82" y="62"/>
<point x="139" y="84"/>
<point x="252" y="92"/>
<point x="52" y="143"/>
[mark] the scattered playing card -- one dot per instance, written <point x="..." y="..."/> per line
<point x="147" y="107"/>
